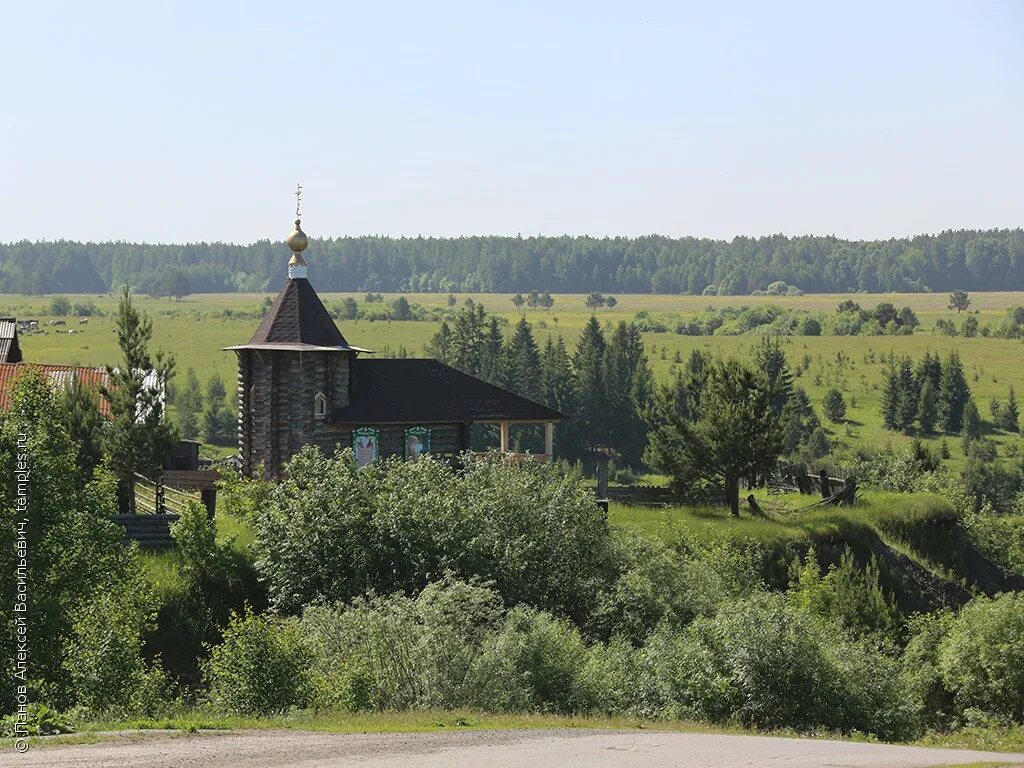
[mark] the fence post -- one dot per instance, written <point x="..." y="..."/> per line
<point x="826" y="489"/>
<point x="159" y="495"/>
<point x="209" y="499"/>
<point x="602" y="476"/>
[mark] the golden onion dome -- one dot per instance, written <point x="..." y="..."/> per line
<point x="297" y="240"/>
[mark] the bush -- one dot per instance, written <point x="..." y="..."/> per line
<point x="771" y="665"/>
<point x="847" y="594"/>
<point x="980" y="657"/>
<point x="921" y="668"/>
<point x="548" y="654"/>
<point x="451" y="647"/>
<point x="59" y="306"/>
<point x="334" y="532"/>
<point x="40" y="720"/>
<point x="260" y="668"/>
<point x="108" y="671"/>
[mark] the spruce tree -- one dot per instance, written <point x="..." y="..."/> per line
<point x="629" y="386"/>
<point x="589" y="364"/>
<point x="189" y="402"/>
<point x="799" y="421"/>
<point x="218" y="420"/>
<point x="1009" y="417"/>
<point x="900" y="396"/>
<point x="492" y="353"/>
<point x="468" y="332"/>
<point x="971" y="422"/>
<point x="891" y="398"/>
<point x="442" y="344"/>
<point x="834" y="405"/>
<point x="558" y="391"/>
<point x="908" y="395"/>
<point x="927" y="407"/>
<point x="771" y="360"/>
<point x="954" y="392"/>
<point x="522" y="363"/>
<point x="929" y="368"/>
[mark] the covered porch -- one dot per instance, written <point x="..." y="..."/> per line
<point x="505" y="438"/>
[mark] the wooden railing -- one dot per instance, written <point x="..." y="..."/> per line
<point x="155" y="497"/>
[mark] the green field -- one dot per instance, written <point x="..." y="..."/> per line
<point x="195" y="330"/>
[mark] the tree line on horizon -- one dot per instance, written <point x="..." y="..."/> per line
<point x="975" y="260"/>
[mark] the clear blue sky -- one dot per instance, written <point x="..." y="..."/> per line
<point x="185" y="121"/>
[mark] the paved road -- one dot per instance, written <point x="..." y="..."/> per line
<point x="485" y="749"/>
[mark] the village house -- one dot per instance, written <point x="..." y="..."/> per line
<point x="301" y="383"/>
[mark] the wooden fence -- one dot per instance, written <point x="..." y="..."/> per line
<point x="832" y="484"/>
<point x="154" y="504"/>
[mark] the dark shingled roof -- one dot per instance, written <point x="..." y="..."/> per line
<point x="426" y="391"/>
<point x="297" y="316"/>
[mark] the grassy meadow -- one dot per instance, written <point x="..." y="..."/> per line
<point x="196" y="329"/>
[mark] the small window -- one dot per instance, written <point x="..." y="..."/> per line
<point x="417" y="442"/>
<point x="365" y="445"/>
<point x="319" y="406"/>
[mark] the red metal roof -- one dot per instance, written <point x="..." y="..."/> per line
<point x="59" y="375"/>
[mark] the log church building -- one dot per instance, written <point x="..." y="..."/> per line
<point x="301" y="383"/>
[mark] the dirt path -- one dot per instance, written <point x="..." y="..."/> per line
<point x="479" y="749"/>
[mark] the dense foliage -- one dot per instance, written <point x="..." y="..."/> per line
<point x="775" y="264"/>
<point x="332" y="531"/>
<point x="87" y="605"/>
<point x="604" y="384"/>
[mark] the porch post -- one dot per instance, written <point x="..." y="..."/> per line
<point x="549" y="440"/>
<point x="504" y="437"/>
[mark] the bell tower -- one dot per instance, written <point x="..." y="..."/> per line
<point x="292" y="374"/>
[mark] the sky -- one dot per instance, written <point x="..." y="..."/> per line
<point x="186" y="121"/>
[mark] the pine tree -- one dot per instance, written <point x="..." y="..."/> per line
<point x="138" y="438"/>
<point x="1009" y="418"/>
<point x="85" y="427"/>
<point x="954" y="392"/>
<point x="927" y="408"/>
<point x="736" y="435"/>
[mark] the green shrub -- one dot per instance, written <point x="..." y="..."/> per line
<point x="655" y="583"/>
<point x="40" y="720"/>
<point x="334" y="532"/>
<point x="769" y="664"/>
<point x="848" y="594"/>
<point x="105" y="661"/>
<point x="981" y="657"/>
<point x="261" y="667"/>
<point x="399" y="652"/>
<point x="921" y="668"/>
<point x="550" y="655"/>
